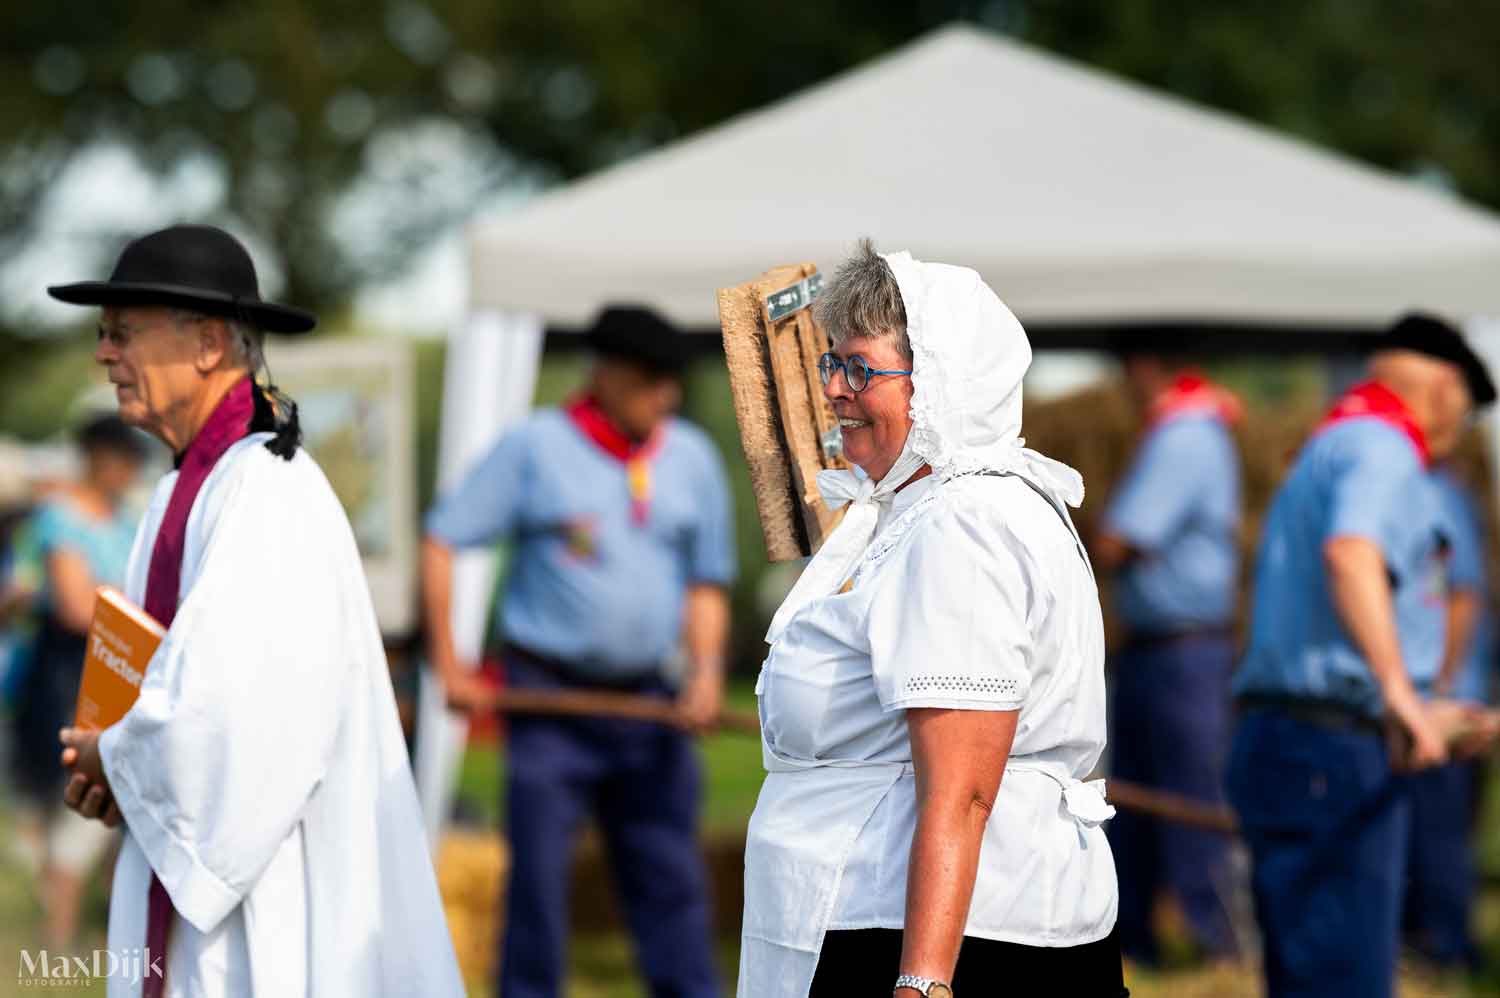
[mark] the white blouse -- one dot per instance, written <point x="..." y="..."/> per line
<point x="974" y="594"/>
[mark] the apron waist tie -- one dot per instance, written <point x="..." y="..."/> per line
<point x="1084" y="800"/>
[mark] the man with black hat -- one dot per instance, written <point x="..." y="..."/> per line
<point x="274" y="843"/>
<point x="620" y="519"/>
<point x="1347" y="634"/>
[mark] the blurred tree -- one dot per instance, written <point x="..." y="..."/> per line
<point x="344" y="134"/>
<point x="1408" y="85"/>
<point x="298" y="109"/>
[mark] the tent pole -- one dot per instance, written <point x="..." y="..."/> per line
<point x="489" y="378"/>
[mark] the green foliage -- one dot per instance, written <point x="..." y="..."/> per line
<point x="41" y="382"/>
<point x="427" y="372"/>
<point x="426" y="105"/>
<point x="296" y="102"/>
<point x="1408" y="86"/>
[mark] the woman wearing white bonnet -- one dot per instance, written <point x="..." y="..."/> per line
<point x="946" y="635"/>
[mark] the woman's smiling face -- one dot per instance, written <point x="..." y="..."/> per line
<point x="876" y="421"/>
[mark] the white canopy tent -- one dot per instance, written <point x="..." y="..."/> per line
<point x="1078" y="196"/>
<point x="1081" y="198"/>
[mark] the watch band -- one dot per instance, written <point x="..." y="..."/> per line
<point x="921" y="985"/>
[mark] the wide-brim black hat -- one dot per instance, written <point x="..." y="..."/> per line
<point x="197" y="267"/>
<point x="1427" y="334"/>
<point x="637" y="334"/>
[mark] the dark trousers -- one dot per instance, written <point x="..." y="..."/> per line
<point x="46" y="702"/>
<point x="1171" y="731"/>
<point x="867" y="962"/>
<point x="1440" y="864"/>
<point x="1326" y="822"/>
<point x="640" y="782"/>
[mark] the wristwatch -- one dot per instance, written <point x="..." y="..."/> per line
<point x="924" y="986"/>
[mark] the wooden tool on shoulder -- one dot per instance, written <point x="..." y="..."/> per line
<point x="788" y="430"/>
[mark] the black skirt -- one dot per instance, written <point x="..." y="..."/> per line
<point x="867" y="962"/>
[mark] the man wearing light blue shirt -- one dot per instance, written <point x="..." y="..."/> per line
<point x="1171" y="536"/>
<point x="619" y="517"/>
<point x="1347" y="629"/>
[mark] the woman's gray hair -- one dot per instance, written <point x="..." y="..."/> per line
<point x="245" y="341"/>
<point x="863" y="299"/>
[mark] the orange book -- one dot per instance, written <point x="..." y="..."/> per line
<point x="122" y="639"/>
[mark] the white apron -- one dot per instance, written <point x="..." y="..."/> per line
<point x="787" y="914"/>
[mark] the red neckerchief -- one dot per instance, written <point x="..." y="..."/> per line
<point x="636" y="455"/>
<point x="1192" y="394"/>
<point x="1372" y="400"/>
<point x="228" y="424"/>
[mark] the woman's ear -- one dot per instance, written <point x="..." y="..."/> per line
<point x="213" y="345"/>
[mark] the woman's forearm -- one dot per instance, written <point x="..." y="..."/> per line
<point x="940" y="884"/>
<point x="959" y="758"/>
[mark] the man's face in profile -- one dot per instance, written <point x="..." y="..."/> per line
<point x="637" y="398"/>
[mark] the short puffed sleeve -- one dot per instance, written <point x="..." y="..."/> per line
<point x="952" y="614"/>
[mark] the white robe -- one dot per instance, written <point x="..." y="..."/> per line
<point x="262" y="773"/>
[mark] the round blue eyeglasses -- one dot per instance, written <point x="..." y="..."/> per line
<point x="856" y="371"/>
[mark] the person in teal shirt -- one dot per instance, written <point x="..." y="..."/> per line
<point x="81" y="535"/>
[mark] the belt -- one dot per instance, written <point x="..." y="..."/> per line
<point x="1330" y="714"/>
<point x="646" y="679"/>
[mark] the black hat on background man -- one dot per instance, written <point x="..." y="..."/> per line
<point x="1427" y="334"/>
<point x="637" y="334"/>
<point x="197" y="267"/>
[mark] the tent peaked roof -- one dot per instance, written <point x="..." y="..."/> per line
<point x="1078" y="196"/>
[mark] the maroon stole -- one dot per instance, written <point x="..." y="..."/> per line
<point x="228" y="424"/>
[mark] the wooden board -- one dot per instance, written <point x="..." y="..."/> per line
<point x="783" y="417"/>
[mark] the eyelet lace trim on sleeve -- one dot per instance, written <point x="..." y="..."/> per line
<point x="989" y="686"/>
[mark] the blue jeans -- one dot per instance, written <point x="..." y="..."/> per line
<point x="641" y="783"/>
<point x="1326" y="822"/>
<point x="1440" y="861"/>
<point x="1171" y="731"/>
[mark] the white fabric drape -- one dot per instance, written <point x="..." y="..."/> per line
<point x="489" y="379"/>
<point x="262" y="772"/>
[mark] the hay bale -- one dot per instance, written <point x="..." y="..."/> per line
<point x="471" y="870"/>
